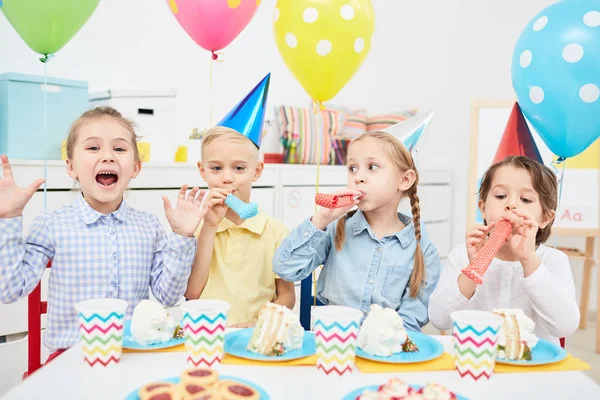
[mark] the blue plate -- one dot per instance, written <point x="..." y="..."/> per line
<point x="263" y="395"/>
<point x="429" y="349"/>
<point x="130" y="343"/>
<point x="544" y="352"/>
<point x="236" y="343"/>
<point x="353" y="395"/>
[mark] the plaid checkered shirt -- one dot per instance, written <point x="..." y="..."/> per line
<point x="118" y="255"/>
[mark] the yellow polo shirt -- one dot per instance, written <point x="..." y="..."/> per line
<point x="241" y="270"/>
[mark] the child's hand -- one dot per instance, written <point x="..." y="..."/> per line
<point x="325" y="216"/>
<point x="216" y="200"/>
<point x="475" y="239"/>
<point x="186" y="217"/>
<point x="522" y="238"/>
<point x="13" y="199"/>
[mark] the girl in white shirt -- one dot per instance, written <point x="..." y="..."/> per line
<point x="524" y="274"/>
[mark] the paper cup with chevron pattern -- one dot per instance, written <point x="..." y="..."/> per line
<point x="336" y="330"/>
<point x="101" y="327"/>
<point x="475" y="335"/>
<point x="204" y="323"/>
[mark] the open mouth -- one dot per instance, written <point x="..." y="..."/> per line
<point x="107" y="179"/>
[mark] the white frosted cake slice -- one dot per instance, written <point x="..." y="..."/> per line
<point x="277" y="331"/>
<point x="152" y="324"/>
<point x="516" y="338"/>
<point x="382" y="333"/>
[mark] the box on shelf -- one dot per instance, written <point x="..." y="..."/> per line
<point x="153" y="112"/>
<point x="22" y="114"/>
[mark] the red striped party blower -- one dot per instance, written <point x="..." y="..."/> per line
<point x="476" y="269"/>
<point x="333" y="201"/>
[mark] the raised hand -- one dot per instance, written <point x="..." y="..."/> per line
<point x="13" y="199"/>
<point x="186" y="216"/>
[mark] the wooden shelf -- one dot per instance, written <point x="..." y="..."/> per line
<point x="574" y="253"/>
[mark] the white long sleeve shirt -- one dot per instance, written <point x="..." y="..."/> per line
<point x="547" y="296"/>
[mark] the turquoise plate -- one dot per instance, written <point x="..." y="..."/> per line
<point x="236" y="343"/>
<point x="429" y="349"/>
<point x="130" y="343"/>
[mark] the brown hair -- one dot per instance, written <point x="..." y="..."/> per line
<point x="223" y="133"/>
<point x="403" y="160"/>
<point x="544" y="183"/>
<point x="97" y="113"/>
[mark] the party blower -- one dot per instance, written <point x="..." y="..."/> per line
<point x="476" y="269"/>
<point x="244" y="210"/>
<point x="333" y="201"/>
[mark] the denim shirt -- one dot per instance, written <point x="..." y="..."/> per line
<point x="366" y="271"/>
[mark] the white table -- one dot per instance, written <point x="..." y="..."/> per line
<point x="67" y="377"/>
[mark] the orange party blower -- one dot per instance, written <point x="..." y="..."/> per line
<point x="333" y="201"/>
<point x="480" y="264"/>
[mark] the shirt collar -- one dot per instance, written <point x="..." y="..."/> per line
<point x="255" y="224"/>
<point x="89" y="215"/>
<point x="405" y="236"/>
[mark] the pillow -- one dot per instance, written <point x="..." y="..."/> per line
<point x="380" y="122"/>
<point x="355" y="123"/>
<point x="307" y="135"/>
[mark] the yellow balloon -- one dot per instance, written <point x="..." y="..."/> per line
<point x="323" y="42"/>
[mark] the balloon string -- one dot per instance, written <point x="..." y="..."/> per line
<point x="214" y="57"/>
<point x="554" y="164"/>
<point x="45" y="60"/>
<point x="317" y="105"/>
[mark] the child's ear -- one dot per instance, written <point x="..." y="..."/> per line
<point x="259" y="170"/>
<point x="408" y="179"/>
<point x="481" y="206"/>
<point x="71" y="170"/>
<point x="547" y="219"/>
<point x="202" y="170"/>
<point x="137" y="167"/>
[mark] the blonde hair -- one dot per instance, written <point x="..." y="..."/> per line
<point x="403" y="160"/>
<point x="98" y="113"/>
<point x="217" y="133"/>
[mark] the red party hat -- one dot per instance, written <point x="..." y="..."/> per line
<point x="517" y="139"/>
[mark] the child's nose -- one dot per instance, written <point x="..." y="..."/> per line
<point x="510" y="207"/>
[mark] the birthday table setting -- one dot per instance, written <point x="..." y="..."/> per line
<point x="188" y="352"/>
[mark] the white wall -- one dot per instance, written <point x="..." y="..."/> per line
<point x="426" y="54"/>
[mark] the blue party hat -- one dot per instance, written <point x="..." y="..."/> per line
<point x="248" y="116"/>
<point x="411" y="131"/>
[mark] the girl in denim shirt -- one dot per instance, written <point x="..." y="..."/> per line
<point x="373" y="255"/>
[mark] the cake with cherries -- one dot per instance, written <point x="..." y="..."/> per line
<point x="382" y="333"/>
<point x="516" y="338"/>
<point x="277" y="331"/>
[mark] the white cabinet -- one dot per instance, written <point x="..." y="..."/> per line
<point x="299" y="203"/>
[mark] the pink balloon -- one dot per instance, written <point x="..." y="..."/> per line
<point x="213" y="24"/>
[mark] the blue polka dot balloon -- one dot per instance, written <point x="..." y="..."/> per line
<point x="556" y="74"/>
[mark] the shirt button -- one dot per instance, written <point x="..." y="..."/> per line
<point x="371" y="282"/>
<point x="364" y="313"/>
<point x="114" y="283"/>
<point x="112" y="231"/>
<point x="233" y="243"/>
<point x="305" y="233"/>
<point x="379" y="249"/>
<point x="114" y="257"/>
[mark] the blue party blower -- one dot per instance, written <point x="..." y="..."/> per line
<point x="244" y="210"/>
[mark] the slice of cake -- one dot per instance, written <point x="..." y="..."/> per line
<point x="397" y="389"/>
<point x="382" y="333"/>
<point x="151" y="323"/>
<point x="277" y="331"/>
<point x="516" y="338"/>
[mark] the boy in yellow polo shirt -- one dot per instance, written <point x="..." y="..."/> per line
<point x="234" y="256"/>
